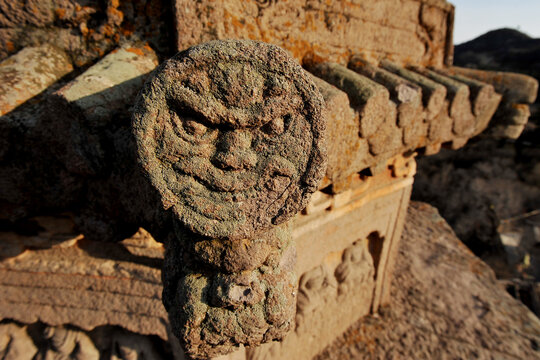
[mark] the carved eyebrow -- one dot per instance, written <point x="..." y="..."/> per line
<point x="212" y="112"/>
<point x="185" y="98"/>
<point x="184" y="110"/>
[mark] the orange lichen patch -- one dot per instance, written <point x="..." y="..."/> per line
<point x="343" y="58"/>
<point x="522" y="107"/>
<point x="79" y="62"/>
<point x="5" y="108"/>
<point x="297" y="47"/>
<point x="115" y="15"/>
<point x="97" y="50"/>
<point x="253" y="32"/>
<point x="8" y="106"/>
<point x="358" y="63"/>
<point x="147" y="47"/>
<point x="316" y="53"/>
<point x="237" y="23"/>
<point x="231" y="23"/>
<point x="60" y="14"/>
<point x="135" y="51"/>
<point x="108" y="30"/>
<point x="10" y="46"/>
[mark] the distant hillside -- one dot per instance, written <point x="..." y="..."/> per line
<point x="503" y="49"/>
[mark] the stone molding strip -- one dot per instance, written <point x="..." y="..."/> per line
<point x="100" y="284"/>
<point x="393" y="109"/>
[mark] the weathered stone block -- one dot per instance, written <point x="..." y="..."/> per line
<point x="371" y="100"/>
<point x="515" y="88"/>
<point x="389" y="137"/>
<point x="457" y="94"/>
<point x="483" y="97"/>
<point x="415" y="134"/>
<point x="344" y="146"/>
<point x="433" y="93"/>
<point x="517" y="91"/>
<point x="440" y="128"/>
<point x="405" y="94"/>
<point x="108" y="87"/>
<point x="28" y="73"/>
<point x="93" y="101"/>
<point x="418" y="32"/>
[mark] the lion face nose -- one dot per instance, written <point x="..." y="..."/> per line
<point x="234" y="151"/>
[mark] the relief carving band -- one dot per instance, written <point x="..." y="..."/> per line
<point x="230" y="133"/>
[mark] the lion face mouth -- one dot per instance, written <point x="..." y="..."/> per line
<point x="232" y="195"/>
<point x="215" y="179"/>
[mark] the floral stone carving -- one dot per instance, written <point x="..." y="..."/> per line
<point x="230" y="133"/>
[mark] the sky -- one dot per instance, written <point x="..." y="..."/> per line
<point x="476" y="17"/>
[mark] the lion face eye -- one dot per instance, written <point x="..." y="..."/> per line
<point x="191" y="128"/>
<point x="195" y="128"/>
<point x="277" y="126"/>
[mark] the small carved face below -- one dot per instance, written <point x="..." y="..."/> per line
<point x="230" y="133"/>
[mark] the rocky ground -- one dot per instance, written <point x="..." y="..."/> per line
<point x="492" y="200"/>
<point x="491" y="194"/>
<point x="448" y="305"/>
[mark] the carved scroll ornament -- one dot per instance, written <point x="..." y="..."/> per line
<point x="230" y="133"/>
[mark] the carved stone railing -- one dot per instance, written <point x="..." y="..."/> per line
<point x="231" y="134"/>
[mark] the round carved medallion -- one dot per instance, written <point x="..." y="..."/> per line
<point x="231" y="135"/>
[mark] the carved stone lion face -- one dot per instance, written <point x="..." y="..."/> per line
<point x="230" y="133"/>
